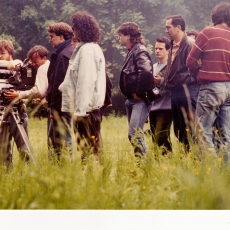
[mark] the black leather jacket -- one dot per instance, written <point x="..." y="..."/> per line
<point x="137" y="72"/>
<point x="177" y="74"/>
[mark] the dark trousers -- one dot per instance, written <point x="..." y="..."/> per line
<point x="160" y="123"/>
<point x="184" y="109"/>
<point x="59" y="134"/>
<point x="88" y="133"/>
<point x="10" y="132"/>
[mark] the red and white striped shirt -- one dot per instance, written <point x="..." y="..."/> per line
<point x="212" y="47"/>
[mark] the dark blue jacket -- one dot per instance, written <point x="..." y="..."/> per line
<point x="59" y="63"/>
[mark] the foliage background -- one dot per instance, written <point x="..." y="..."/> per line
<point x="25" y="22"/>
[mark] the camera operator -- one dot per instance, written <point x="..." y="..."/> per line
<point x="38" y="58"/>
<point x="6" y="60"/>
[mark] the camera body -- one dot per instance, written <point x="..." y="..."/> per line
<point x="156" y="91"/>
<point x="153" y="94"/>
<point x="20" y="79"/>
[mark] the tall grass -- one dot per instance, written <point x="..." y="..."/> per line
<point x="176" y="181"/>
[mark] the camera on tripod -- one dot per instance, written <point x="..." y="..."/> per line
<point x="20" y="79"/>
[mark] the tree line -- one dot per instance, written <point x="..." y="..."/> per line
<point x="24" y="22"/>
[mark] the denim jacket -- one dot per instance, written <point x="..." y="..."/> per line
<point x="83" y="89"/>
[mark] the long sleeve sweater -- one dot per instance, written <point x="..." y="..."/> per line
<point x="212" y="48"/>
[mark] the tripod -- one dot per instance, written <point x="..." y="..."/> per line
<point x="7" y="116"/>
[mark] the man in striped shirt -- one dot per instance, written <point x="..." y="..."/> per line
<point x="212" y="48"/>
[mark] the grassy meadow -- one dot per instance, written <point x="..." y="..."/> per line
<point x="177" y="181"/>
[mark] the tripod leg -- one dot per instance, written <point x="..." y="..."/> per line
<point x="5" y="142"/>
<point x="19" y="124"/>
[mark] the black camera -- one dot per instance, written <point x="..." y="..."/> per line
<point x="153" y="94"/>
<point x="20" y="79"/>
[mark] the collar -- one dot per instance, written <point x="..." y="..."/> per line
<point x="80" y="44"/>
<point x="180" y="43"/>
<point x="62" y="45"/>
<point x="162" y="63"/>
<point x="130" y="48"/>
<point x="176" y="44"/>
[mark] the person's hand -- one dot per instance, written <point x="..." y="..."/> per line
<point x="8" y="64"/>
<point x="36" y="101"/>
<point x="107" y="106"/>
<point x="52" y="117"/>
<point x="136" y="97"/>
<point x="77" y="118"/>
<point x="199" y="63"/>
<point x="11" y="95"/>
<point x="157" y="79"/>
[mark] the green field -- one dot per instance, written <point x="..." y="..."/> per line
<point x="177" y="181"/>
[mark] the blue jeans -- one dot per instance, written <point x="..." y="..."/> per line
<point x="183" y="102"/>
<point x="137" y="112"/>
<point x="214" y="105"/>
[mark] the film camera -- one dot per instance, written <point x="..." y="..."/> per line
<point x="22" y="78"/>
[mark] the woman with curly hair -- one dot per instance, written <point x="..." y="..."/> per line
<point x="83" y="90"/>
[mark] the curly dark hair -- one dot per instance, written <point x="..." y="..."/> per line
<point x="87" y="27"/>
<point x="7" y="45"/>
<point x="61" y="28"/>
<point x="221" y="13"/>
<point x="164" y="40"/>
<point x="132" y="29"/>
<point x="40" y="50"/>
<point x="177" y="20"/>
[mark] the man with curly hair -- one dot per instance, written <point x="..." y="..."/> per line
<point x="83" y="90"/>
<point x="59" y="123"/>
<point x="135" y="80"/>
<point x="213" y="104"/>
